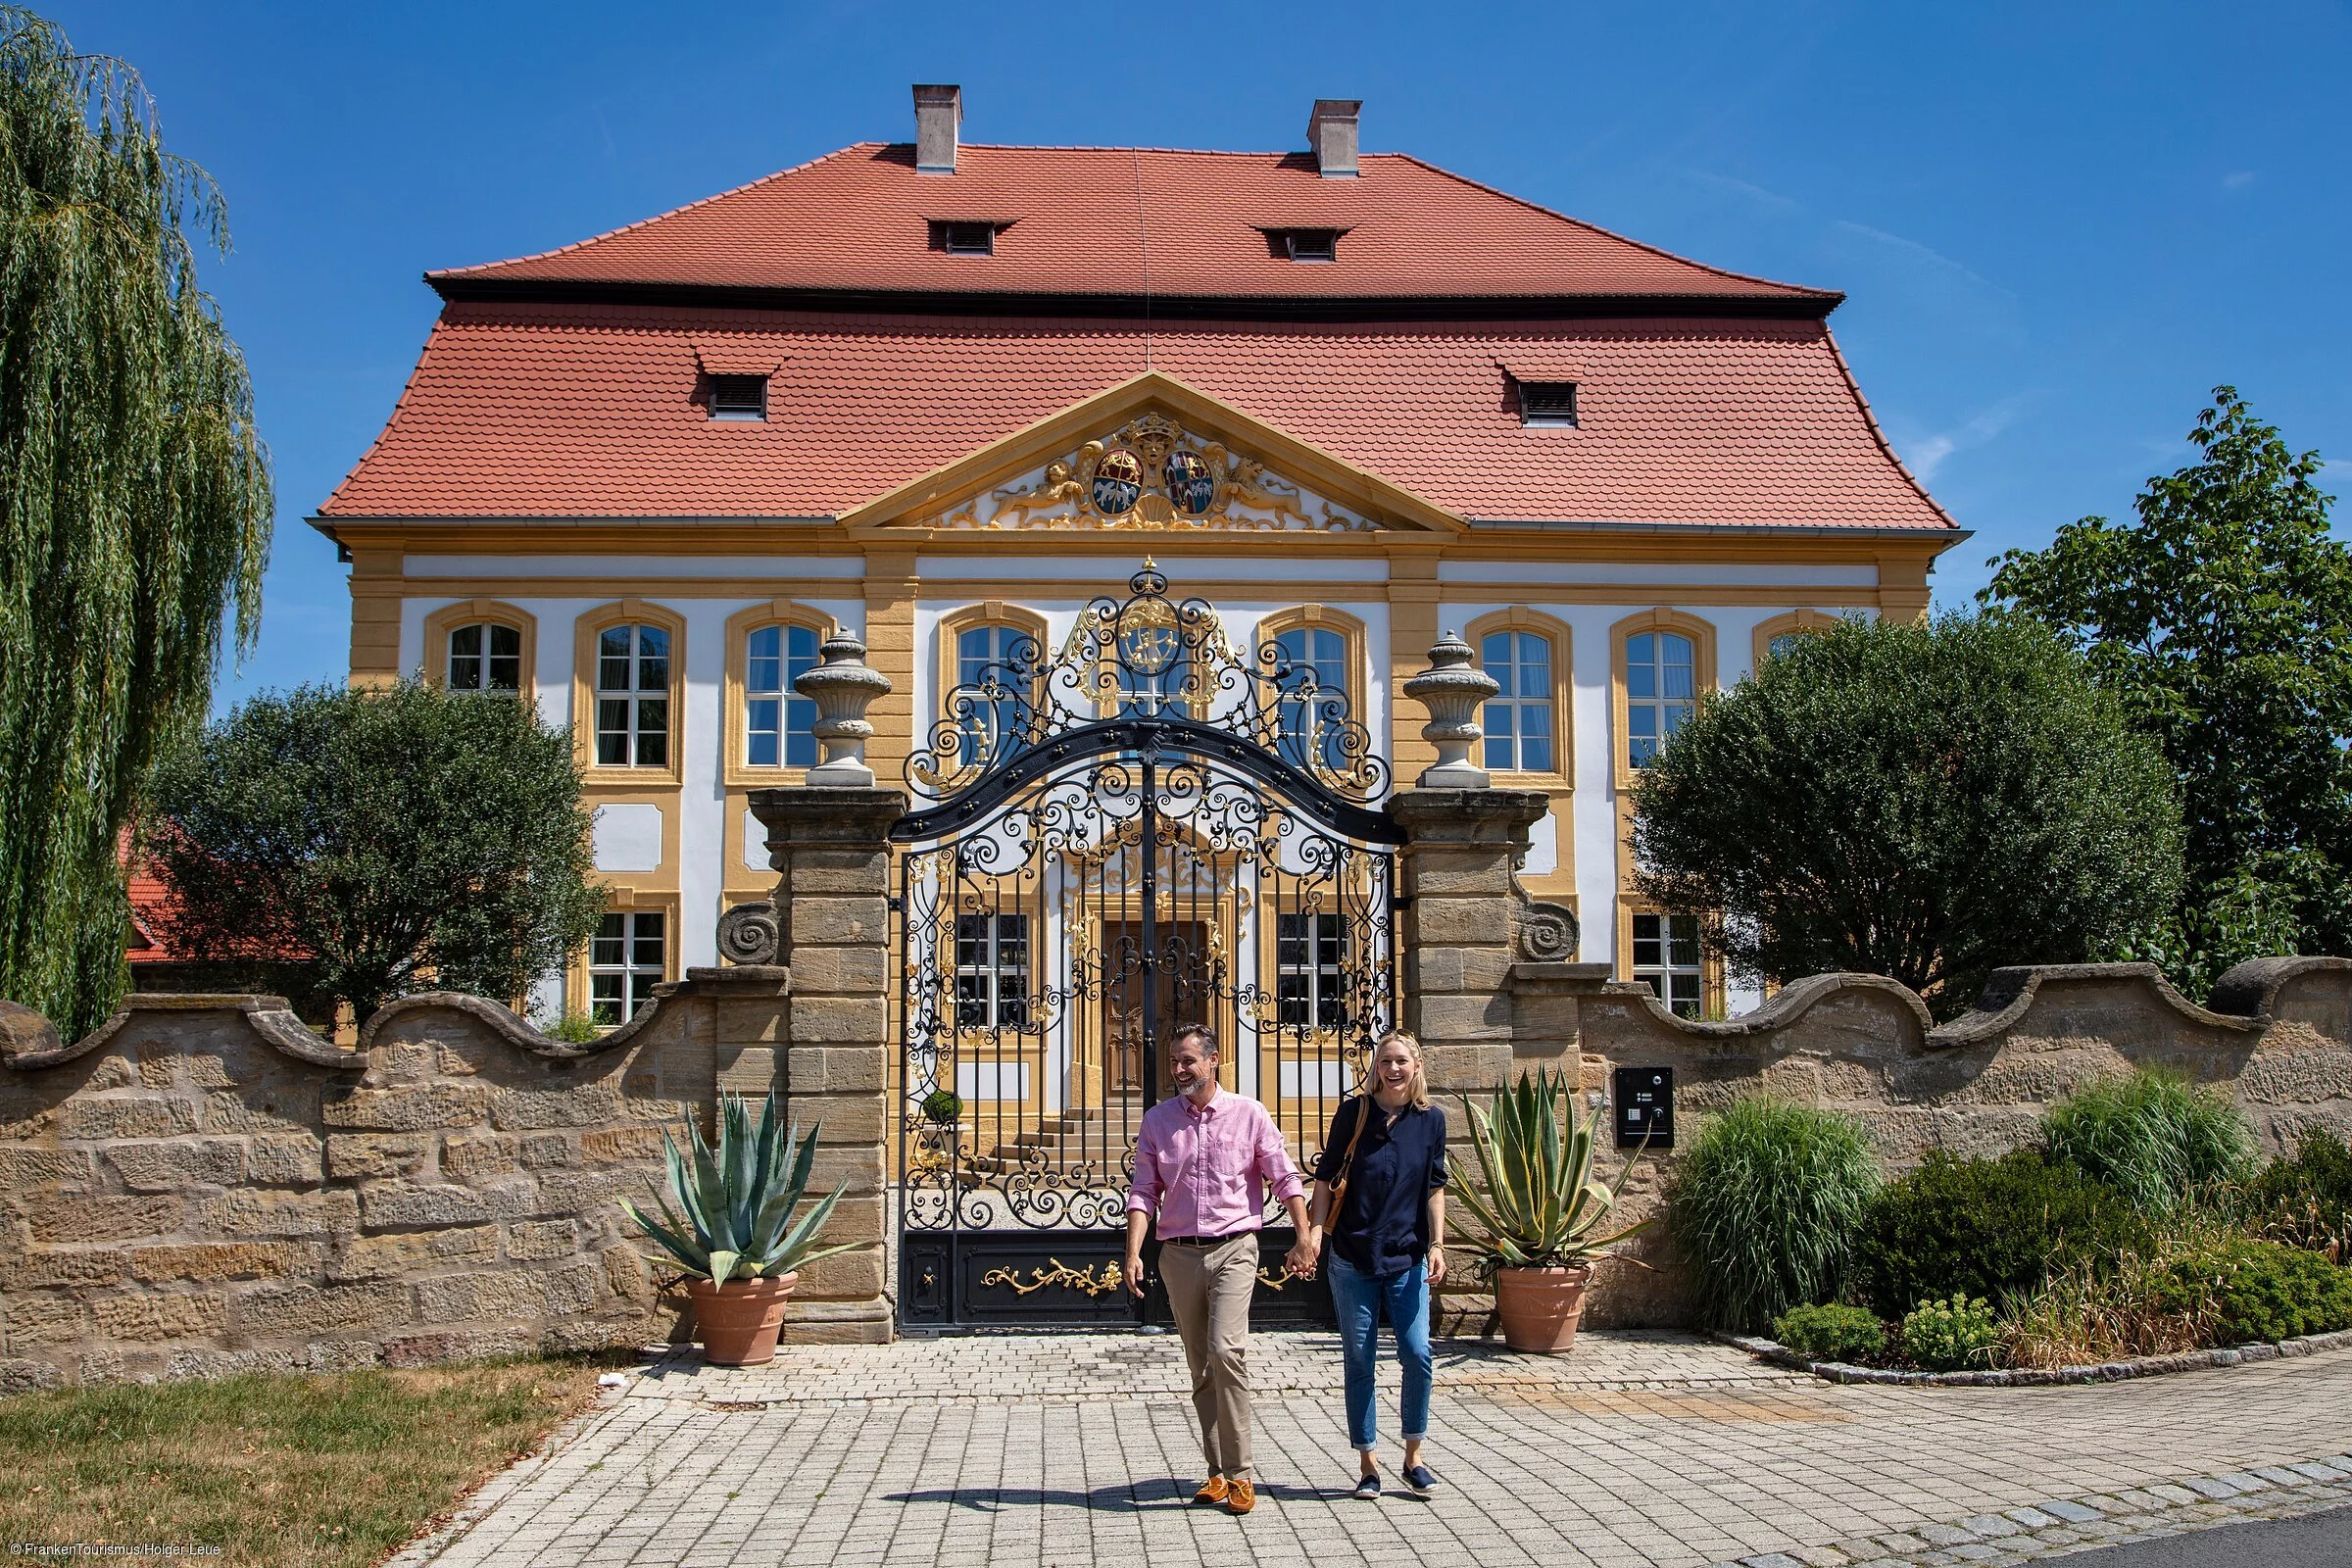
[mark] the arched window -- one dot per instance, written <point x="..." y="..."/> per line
<point x="632" y="695"/>
<point x="1315" y="696"/>
<point x="1660" y="691"/>
<point x="484" y="656"/>
<point x="1774" y="636"/>
<point x="1519" y="720"/>
<point x="984" y="646"/>
<point x="776" y="719"/>
<point x="479" y="644"/>
<point x="1665" y="660"/>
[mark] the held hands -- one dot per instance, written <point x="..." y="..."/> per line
<point x="1305" y="1253"/>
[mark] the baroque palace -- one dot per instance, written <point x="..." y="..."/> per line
<point x="942" y="395"/>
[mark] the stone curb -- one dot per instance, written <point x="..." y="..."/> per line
<point x="2081" y="1524"/>
<point x="2145" y="1366"/>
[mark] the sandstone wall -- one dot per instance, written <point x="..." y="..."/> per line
<point x="204" y="1184"/>
<point x="1979" y="1084"/>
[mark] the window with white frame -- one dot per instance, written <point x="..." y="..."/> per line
<point x="776" y="720"/>
<point x="625" y="962"/>
<point x="1518" y="718"/>
<point x="1314" y="696"/>
<point x="1667" y="959"/>
<point x="1309" y="971"/>
<point x="1660" y="691"/>
<point x="485" y="657"/>
<point x="632" y="697"/>
<point x="992" y="971"/>
<point x="989" y="660"/>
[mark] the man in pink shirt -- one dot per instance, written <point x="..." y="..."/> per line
<point x="1202" y="1162"/>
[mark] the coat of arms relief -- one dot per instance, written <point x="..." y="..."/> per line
<point x="1153" y="473"/>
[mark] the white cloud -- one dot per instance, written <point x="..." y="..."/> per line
<point x="2239" y="180"/>
<point x="1926" y="454"/>
<point x="1912" y="247"/>
<point x="1770" y="199"/>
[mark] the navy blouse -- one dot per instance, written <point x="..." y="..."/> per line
<point x="1382" y="1227"/>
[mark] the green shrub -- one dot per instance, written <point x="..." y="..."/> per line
<point x="1951" y="1335"/>
<point x="2305" y="1200"/>
<point x="1765" y="1208"/>
<point x="2153" y="1136"/>
<point x="2258" y="1291"/>
<point x="1830" y="1332"/>
<point x="1983" y="1228"/>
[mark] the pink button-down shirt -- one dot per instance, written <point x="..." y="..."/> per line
<point x="1205" y="1170"/>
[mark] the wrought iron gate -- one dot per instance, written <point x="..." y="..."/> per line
<point x="1143" y="829"/>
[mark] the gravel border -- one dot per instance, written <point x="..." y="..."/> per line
<point x="2145" y="1366"/>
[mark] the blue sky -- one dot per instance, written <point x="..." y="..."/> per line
<point x="2059" y="224"/>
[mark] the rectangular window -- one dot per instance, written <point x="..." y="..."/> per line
<point x="739" y="397"/>
<point x="485" y="657"/>
<point x="777" y="719"/>
<point x="992" y="971"/>
<point x="965" y="239"/>
<point x="1309" y="978"/>
<point x="1660" y="691"/>
<point x="1311" y="244"/>
<point x="1518" y="719"/>
<point x="632" y="697"/>
<point x="1314" y="700"/>
<point x="625" y="962"/>
<point x="1666" y="958"/>
<point x="1547" y="403"/>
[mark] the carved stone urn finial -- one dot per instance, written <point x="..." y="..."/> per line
<point x="843" y="688"/>
<point x="1451" y="689"/>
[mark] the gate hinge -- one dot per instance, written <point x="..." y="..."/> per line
<point x="895" y="903"/>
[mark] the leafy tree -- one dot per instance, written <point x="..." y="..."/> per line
<point x="1923" y="801"/>
<point x="382" y="841"/>
<point x="2222" y="619"/>
<point x="135" y="499"/>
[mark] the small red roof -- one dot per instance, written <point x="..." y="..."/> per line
<point x="537" y="409"/>
<point x="1128" y="222"/>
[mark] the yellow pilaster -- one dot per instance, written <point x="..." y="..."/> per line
<point x="890" y="589"/>
<point x="1412" y="629"/>
<point x="375" y="595"/>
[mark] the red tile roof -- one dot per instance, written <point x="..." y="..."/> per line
<point x="1120" y="221"/>
<point x="522" y="408"/>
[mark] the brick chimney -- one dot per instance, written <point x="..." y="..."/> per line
<point x="939" y="116"/>
<point x="1330" y="136"/>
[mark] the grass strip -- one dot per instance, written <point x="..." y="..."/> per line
<point x="273" y="1468"/>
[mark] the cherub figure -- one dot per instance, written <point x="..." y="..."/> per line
<point x="1060" y="487"/>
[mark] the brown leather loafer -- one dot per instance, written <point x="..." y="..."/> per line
<point x="1213" y="1489"/>
<point x="1241" y="1494"/>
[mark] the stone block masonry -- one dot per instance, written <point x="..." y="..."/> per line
<point x="204" y="1186"/>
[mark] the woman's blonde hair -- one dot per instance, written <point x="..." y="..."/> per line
<point x="1416" y="1088"/>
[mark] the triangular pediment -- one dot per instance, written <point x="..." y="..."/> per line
<point x="1154" y="454"/>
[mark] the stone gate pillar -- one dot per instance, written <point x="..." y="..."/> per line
<point x="1459" y="930"/>
<point x="830" y="848"/>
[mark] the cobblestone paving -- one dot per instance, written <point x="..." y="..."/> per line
<point x="1639" y="1449"/>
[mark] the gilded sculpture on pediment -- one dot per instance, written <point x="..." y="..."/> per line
<point x="1152" y="473"/>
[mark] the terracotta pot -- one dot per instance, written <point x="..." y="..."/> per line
<point x="738" y="1321"/>
<point x="1539" y="1307"/>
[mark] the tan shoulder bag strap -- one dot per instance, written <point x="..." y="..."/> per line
<point x="1338" y="1188"/>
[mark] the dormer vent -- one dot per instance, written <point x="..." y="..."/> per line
<point x="739" y="397"/>
<point x="1330" y="136"/>
<point x="1309" y="244"/>
<point x="938" y="122"/>
<point x="963" y="238"/>
<point x="1547" y="403"/>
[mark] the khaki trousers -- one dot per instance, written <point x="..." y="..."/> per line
<point x="1209" y="1290"/>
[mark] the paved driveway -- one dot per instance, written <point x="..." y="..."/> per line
<point x="1639" y="1449"/>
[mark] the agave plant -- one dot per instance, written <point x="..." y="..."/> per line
<point x="1541" y="1207"/>
<point x="738" y="1202"/>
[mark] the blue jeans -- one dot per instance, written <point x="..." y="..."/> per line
<point x="1361" y="1298"/>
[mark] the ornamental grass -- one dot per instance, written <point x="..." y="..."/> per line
<point x="1766" y="1206"/>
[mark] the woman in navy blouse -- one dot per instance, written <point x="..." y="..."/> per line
<point x="1388" y="1244"/>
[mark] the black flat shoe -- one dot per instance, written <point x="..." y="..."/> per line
<point x="1368" y="1487"/>
<point x="1421" y="1478"/>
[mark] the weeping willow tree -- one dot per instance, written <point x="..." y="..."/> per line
<point x="135" y="499"/>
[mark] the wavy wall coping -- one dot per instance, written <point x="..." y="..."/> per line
<point x="273" y="1019"/>
<point x="1779" y="1011"/>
